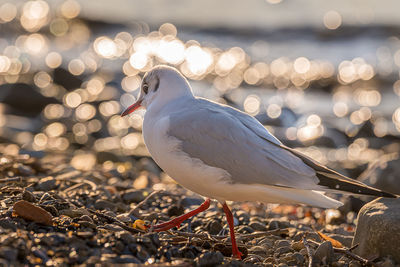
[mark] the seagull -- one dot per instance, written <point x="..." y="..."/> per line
<point x="224" y="154"/>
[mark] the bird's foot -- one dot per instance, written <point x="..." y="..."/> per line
<point x="236" y="253"/>
<point x="178" y="220"/>
<point x="167" y="225"/>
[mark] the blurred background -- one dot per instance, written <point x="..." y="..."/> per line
<point x="322" y="76"/>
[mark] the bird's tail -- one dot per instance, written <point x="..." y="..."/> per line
<point x="332" y="181"/>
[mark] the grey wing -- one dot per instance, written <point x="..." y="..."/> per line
<point x="226" y="138"/>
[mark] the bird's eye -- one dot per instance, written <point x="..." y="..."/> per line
<point x="145" y="88"/>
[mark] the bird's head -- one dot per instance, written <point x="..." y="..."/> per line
<point x="159" y="86"/>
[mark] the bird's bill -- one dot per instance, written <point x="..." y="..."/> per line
<point x="132" y="108"/>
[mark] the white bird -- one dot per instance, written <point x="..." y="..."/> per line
<point x="222" y="153"/>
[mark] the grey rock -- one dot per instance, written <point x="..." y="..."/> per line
<point x="9" y="253"/>
<point x="8" y="224"/>
<point x="86" y="218"/>
<point x="378" y="229"/>
<point x="324" y="253"/>
<point x="133" y="195"/>
<point x="28" y="196"/>
<point x="209" y="259"/>
<point x="123" y="259"/>
<point x="258" y="226"/>
<point x="126" y="237"/>
<point x="282" y="243"/>
<point x="102" y="204"/>
<point x="47" y="184"/>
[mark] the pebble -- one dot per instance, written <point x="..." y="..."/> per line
<point x="324" y="253"/>
<point x="102" y="204"/>
<point x="297" y="245"/>
<point x="258" y="226"/>
<point x="8" y="253"/>
<point x="133" y="196"/>
<point x="282" y="243"/>
<point x="31" y="212"/>
<point x="47" y="184"/>
<point x="273" y="225"/>
<point x="209" y="259"/>
<point x="28" y="196"/>
<point x="7" y="223"/>
<point x="86" y="218"/>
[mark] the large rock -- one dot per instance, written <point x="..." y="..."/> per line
<point x="378" y="229"/>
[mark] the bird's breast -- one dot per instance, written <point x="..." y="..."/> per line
<point x="191" y="173"/>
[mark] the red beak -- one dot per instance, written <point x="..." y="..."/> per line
<point x="132" y="108"/>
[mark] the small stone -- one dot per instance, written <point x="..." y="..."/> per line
<point x="126" y="237"/>
<point x="31" y="212"/>
<point x="324" y="253"/>
<point x="258" y="226"/>
<point x="9" y="254"/>
<point x="245" y="229"/>
<point x="86" y="218"/>
<point x="87" y="224"/>
<point x="283" y="250"/>
<point x="73" y="213"/>
<point x="47" y="184"/>
<point x="28" y="196"/>
<point x="258" y="250"/>
<point x="124" y="218"/>
<point x="125" y="259"/>
<point x="273" y="225"/>
<point x="266" y="242"/>
<point x="133" y="196"/>
<point x="282" y="243"/>
<point x="7" y="223"/>
<point x="102" y="204"/>
<point x="209" y="259"/>
<point x="297" y="245"/>
<point x="113" y="227"/>
<point x="214" y="227"/>
<point x="298" y="258"/>
<point x="175" y="210"/>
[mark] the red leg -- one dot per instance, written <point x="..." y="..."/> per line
<point x="178" y="220"/>
<point x="235" y="251"/>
